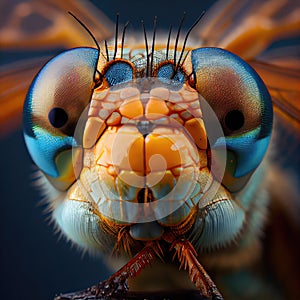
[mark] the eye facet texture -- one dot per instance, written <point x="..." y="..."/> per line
<point x="243" y="106"/>
<point x="56" y="99"/>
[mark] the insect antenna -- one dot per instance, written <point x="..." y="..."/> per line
<point x="183" y="59"/>
<point x="87" y="30"/>
<point x="116" y="36"/>
<point x="168" y="42"/>
<point x="177" y="37"/>
<point x="91" y="35"/>
<point x="152" y="48"/>
<point x="146" y="46"/>
<point x="185" y="40"/>
<point x="123" y="38"/>
<point x="106" y="49"/>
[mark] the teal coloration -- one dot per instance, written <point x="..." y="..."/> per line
<point x="166" y="73"/>
<point x="227" y="83"/>
<point x="176" y="216"/>
<point x="161" y="190"/>
<point x="127" y="192"/>
<point x="44" y="147"/>
<point x="146" y="231"/>
<point x="119" y="72"/>
<point x="249" y="150"/>
<point x="217" y="225"/>
<point x="65" y="82"/>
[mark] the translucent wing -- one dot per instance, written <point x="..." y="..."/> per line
<point x="264" y="34"/>
<point x="249" y="28"/>
<point x="35" y="26"/>
<point x="15" y="80"/>
<point x="284" y="86"/>
<point x="46" y="24"/>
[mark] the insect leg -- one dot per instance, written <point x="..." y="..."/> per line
<point x="117" y="283"/>
<point x="187" y="258"/>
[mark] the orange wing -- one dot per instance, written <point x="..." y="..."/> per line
<point x="249" y="28"/>
<point x="36" y="26"/>
<point x="244" y="27"/>
<point x="46" y="24"/>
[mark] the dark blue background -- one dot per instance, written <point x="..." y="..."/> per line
<point x="34" y="263"/>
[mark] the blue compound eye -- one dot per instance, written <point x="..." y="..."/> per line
<point x="168" y="71"/>
<point x="118" y="71"/>
<point x="243" y="106"/>
<point x="55" y="101"/>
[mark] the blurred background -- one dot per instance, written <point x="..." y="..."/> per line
<point x="34" y="263"/>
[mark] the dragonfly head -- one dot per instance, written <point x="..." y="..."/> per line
<point x="147" y="147"/>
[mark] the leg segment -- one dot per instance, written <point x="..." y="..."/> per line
<point x="116" y="285"/>
<point x="187" y="258"/>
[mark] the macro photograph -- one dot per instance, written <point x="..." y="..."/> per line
<point x="150" y="149"/>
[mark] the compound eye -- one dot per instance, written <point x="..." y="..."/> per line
<point x="241" y="102"/>
<point x="233" y="90"/>
<point x="56" y="99"/>
<point x="118" y="71"/>
<point x="167" y="71"/>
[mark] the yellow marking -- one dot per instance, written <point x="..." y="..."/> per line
<point x="93" y="129"/>
<point x="66" y="168"/>
<point x="132" y="177"/>
<point x="160" y="146"/>
<point x="114" y="119"/>
<point x="177" y="171"/>
<point x="202" y="158"/>
<point x="156" y="106"/>
<point x="136" y="155"/>
<point x="197" y="130"/>
<point x="132" y="108"/>
<point x="158" y="182"/>
<point x="111" y="170"/>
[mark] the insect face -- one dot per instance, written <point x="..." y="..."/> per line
<point x="149" y="153"/>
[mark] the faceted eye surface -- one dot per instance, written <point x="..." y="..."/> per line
<point x="118" y="71"/>
<point x="55" y="101"/>
<point x="242" y="104"/>
<point x="167" y="71"/>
